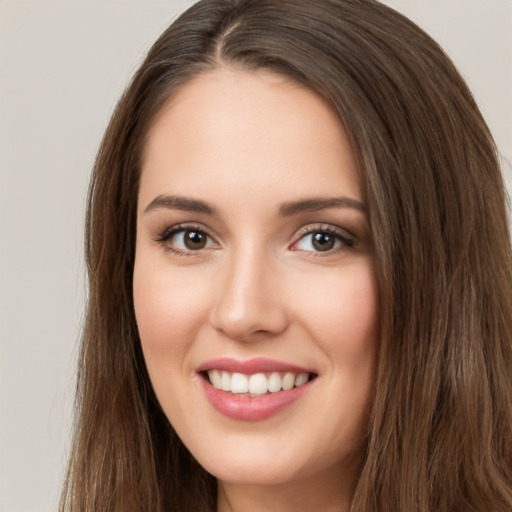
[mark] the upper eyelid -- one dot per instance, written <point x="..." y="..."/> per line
<point x="330" y="228"/>
<point x="171" y="230"/>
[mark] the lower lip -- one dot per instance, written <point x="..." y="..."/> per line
<point x="246" y="408"/>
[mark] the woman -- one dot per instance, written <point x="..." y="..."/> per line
<point x="300" y="275"/>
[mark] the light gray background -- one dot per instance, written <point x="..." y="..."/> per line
<point x="63" y="65"/>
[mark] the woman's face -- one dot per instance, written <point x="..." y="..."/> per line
<point x="254" y="288"/>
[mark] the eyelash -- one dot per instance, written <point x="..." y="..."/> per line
<point x="168" y="233"/>
<point x="345" y="242"/>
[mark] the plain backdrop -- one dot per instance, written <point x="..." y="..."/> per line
<point x="63" y="64"/>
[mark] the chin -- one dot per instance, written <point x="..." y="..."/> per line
<point x="268" y="473"/>
<point x="278" y="460"/>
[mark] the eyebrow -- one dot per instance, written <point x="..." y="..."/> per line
<point x="286" y="209"/>
<point x="318" y="203"/>
<point x="180" y="203"/>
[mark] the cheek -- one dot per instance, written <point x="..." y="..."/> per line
<point x="346" y="323"/>
<point x="168" y="310"/>
<point x="343" y="320"/>
<point x="343" y="313"/>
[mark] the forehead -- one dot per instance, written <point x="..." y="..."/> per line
<point x="246" y="132"/>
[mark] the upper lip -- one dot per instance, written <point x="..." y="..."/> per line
<point x="251" y="366"/>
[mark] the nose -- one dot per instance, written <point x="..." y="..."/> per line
<point x="249" y="304"/>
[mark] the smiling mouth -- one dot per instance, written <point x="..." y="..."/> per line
<point x="256" y="384"/>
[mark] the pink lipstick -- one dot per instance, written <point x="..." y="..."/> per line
<point x="255" y="389"/>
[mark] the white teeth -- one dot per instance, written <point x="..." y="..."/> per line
<point x="225" y="381"/>
<point x="288" y="381"/>
<point x="257" y="383"/>
<point x="215" y="378"/>
<point x="274" y="382"/>
<point x="239" y="383"/>
<point x="301" y="379"/>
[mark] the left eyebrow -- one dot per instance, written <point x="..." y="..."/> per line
<point x="319" y="203"/>
<point x="180" y="203"/>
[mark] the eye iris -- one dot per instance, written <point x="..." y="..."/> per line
<point x="194" y="239"/>
<point x="323" y="241"/>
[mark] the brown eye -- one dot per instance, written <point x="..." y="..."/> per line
<point x="323" y="241"/>
<point x="183" y="240"/>
<point x="194" y="240"/>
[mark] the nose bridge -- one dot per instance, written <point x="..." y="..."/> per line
<point x="248" y="301"/>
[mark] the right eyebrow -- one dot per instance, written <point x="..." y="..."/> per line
<point x="320" y="203"/>
<point x="180" y="203"/>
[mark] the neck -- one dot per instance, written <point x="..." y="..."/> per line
<point x="329" y="492"/>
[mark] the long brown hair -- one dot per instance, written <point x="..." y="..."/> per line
<point x="440" y="433"/>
